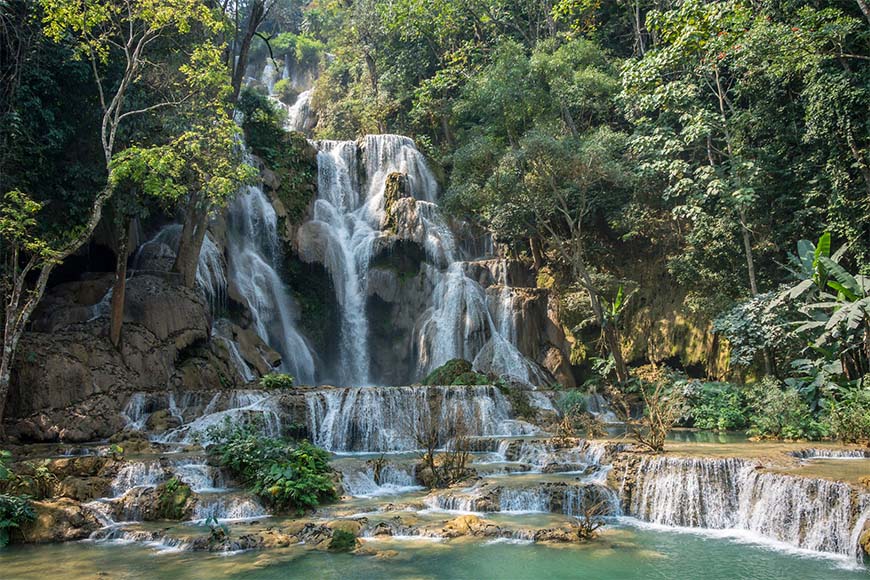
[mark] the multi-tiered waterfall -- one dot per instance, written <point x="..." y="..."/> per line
<point x="351" y="224"/>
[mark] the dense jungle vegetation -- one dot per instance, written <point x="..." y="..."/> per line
<point x="726" y="143"/>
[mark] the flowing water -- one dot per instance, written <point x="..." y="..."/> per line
<point x="255" y="252"/>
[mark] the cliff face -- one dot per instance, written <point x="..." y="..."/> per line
<point x="70" y="383"/>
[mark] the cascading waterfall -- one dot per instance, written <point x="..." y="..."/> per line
<point x="386" y="419"/>
<point x="254" y="250"/>
<point x="137" y="474"/>
<point x="391" y="479"/>
<point x="350" y="229"/>
<point x="812" y="514"/>
<point x="299" y="113"/>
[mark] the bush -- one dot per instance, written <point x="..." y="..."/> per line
<point x="342" y="541"/>
<point x="285" y="92"/>
<point x="172" y="497"/>
<point x="276" y="381"/>
<point x="14" y="512"/>
<point x="288" y="477"/>
<point x="849" y="416"/>
<point x="780" y="413"/>
<point x="715" y="406"/>
<point x="456" y="372"/>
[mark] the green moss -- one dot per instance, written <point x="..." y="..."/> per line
<point x="456" y="372"/>
<point x="173" y="496"/>
<point x="342" y="541"/>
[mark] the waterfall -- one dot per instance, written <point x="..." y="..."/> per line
<point x="386" y="419"/>
<point x="391" y="479"/>
<point x="137" y="474"/>
<point x="831" y="454"/>
<point x="200" y="476"/>
<point x="255" y="253"/>
<point x="350" y="230"/>
<point x="240" y="406"/>
<point x="298" y="114"/>
<point x="228" y="508"/>
<point x="812" y="514"/>
<point x="269" y="76"/>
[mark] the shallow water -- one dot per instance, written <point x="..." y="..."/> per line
<point x="623" y="552"/>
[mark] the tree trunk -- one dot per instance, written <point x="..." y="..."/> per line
<point x="611" y="333"/>
<point x="537" y="254"/>
<point x="256" y="18"/>
<point x="119" y="289"/>
<point x="190" y="244"/>
<point x="865" y="8"/>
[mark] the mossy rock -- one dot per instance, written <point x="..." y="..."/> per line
<point x="174" y="500"/>
<point x="342" y="541"/>
<point x="455" y="372"/>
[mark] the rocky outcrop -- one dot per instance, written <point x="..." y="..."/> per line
<point x="58" y="520"/>
<point x="70" y="383"/>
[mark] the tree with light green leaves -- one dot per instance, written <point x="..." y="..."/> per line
<point x="121" y="42"/>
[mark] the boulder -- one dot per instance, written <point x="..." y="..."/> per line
<point x="58" y="520"/>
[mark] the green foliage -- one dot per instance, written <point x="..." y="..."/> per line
<point x="276" y="381"/>
<point x="342" y="541"/>
<point x="285" y="92"/>
<point x="571" y="402"/>
<point x="456" y="372"/>
<point x="172" y="499"/>
<point x="288" y="477"/>
<point x="14" y="512"/>
<point x="715" y="406"/>
<point x="849" y="415"/>
<point x="289" y="155"/>
<point x="779" y="412"/>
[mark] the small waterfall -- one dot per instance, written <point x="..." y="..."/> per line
<point x="255" y="250"/>
<point x="386" y="154"/>
<point x="201" y="477"/>
<point x="391" y="479"/>
<point x="135" y="412"/>
<point x="812" y="514"/>
<point x="221" y="331"/>
<point x="228" y="508"/>
<point x="159" y="253"/>
<point x="831" y="454"/>
<point x="299" y="113"/>
<point x="383" y="419"/>
<point x="269" y="76"/>
<point x="137" y="474"/>
<point x="240" y="407"/>
<point x="524" y="500"/>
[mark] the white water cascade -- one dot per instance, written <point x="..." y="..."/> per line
<point x="733" y="494"/>
<point x="386" y="419"/>
<point x="255" y="251"/>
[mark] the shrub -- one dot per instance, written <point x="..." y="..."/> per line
<point x="14" y="512"/>
<point x="780" y="413"/>
<point x="276" y="381"/>
<point x="172" y="497"/>
<point x="342" y="541"/>
<point x="849" y="416"/>
<point x="285" y="92"/>
<point x="715" y="406"/>
<point x="302" y="480"/>
<point x="286" y="476"/>
<point x="450" y="372"/>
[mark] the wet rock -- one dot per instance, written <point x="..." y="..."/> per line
<point x="84" y="488"/>
<point x="161" y="421"/>
<point x="58" y="520"/>
<point x="470" y="525"/>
